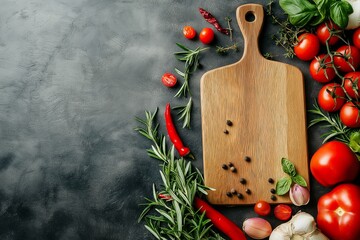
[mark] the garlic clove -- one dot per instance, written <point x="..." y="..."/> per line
<point x="299" y="195"/>
<point x="257" y="228"/>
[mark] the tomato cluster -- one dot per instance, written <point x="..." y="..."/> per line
<point x="337" y="69"/>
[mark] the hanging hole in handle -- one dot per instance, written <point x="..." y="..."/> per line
<point x="250" y="16"/>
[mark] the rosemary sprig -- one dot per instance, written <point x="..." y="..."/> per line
<point x="337" y="130"/>
<point x="170" y="213"/>
<point x="185" y="113"/>
<point x="191" y="59"/>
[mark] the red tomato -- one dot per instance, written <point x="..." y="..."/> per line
<point x="307" y="47"/>
<point x="339" y="213"/>
<point x="347" y="59"/>
<point x="333" y="163"/>
<point x="189" y="32"/>
<point x="323" y="33"/>
<point x="206" y="35"/>
<point x="282" y="212"/>
<point x="321" y="69"/>
<point x="262" y="208"/>
<point x="352" y="84"/>
<point x="349" y="115"/>
<point x="169" y="79"/>
<point x="356" y="38"/>
<point x="331" y="97"/>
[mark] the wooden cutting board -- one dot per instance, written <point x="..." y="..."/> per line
<point x="265" y="103"/>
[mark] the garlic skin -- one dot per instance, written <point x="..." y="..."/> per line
<point x="257" y="228"/>
<point x="299" y="195"/>
<point x="354" y="18"/>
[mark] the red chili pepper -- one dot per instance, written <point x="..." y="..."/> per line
<point x="212" y="20"/>
<point x="221" y="222"/>
<point x="165" y="196"/>
<point x="173" y="135"/>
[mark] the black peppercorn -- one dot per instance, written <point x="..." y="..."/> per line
<point x="229" y="123"/>
<point x="273" y="197"/>
<point x="273" y="191"/>
<point x="248" y="191"/>
<point x="270" y="180"/>
<point x="230" y="164"/>
<point x="229" y="194"/>
<point x="233" y="191"/>
<point x="233" y="169"/>
<point x="224" y="166"/>
<point x="226" y="131"/>
<point x="240" y="196"/>
<point x="247" y="159"/>
<point x="242" y="180"/>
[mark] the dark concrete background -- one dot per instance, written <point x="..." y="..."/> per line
<point x="73" y="75"/>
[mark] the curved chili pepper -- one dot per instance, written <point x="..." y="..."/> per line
<point x="173" y="135"/>
<point x="225" y="225"/>
<point x="212" y="20"/>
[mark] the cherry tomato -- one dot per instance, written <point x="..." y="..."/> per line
<point x="356" y="38"/>
<point x="321" y="69"/>
<point x="169" y="79"/>
<point x="283" y="212"/>
<point x="206" y="35"/>
<point x="323" y="33"/>
<point x="334" y="162"/>
<point x="349" y="115"/>
<point x="347" y="59"/>
<point x="331" y="97"/>
<point x="307" y="47"/>
<point x="262" y="208"/>
<point x="352" y="84"/>
<point x="189" y="32"/>
<point x="339" y="212"/>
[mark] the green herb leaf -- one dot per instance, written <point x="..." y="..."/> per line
<point x="355" y="142"/>
<point x="283" y="185"/>
<point x="288" y="167"/>
<point x="339" y="13"/>
<point x="323" y="7"/>
<point x="299" y="180"/>
<point x="300" y="12"/>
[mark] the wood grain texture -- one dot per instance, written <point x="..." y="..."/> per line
<point x="266" y="104"/>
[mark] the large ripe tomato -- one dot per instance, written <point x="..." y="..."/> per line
<point x="349" y="115"/>
<point x="206" y="35"/>
<point x="347" y="58"/>
<point x="331" y="97"/>
<point x="333" y="163"/>
<point x="339" y="213"/>
<point x="356" y="38"/>
<point x="321" y="69"/>
<point x="262" y="208"/>
<point x="323" y="33"/>
<point x="307" y="47"/>
<point x="352" y="84"/>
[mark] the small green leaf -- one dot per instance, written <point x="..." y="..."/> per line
<point x="299" y="180"/>
<point x="339" y="13"/>
<point x="288" y="167"/>
<point x="354" y="143"/>
<point x="283" y="185"/>
<point x="300" y="12"/>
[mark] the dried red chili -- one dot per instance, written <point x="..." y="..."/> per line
<point x="173" y="135"/>
<point x="212" y="20"/>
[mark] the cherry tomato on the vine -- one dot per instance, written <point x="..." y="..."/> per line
<point x="262" y="208"/>
<point x="352" y="84"/>
<point x="169" y="79"/>
<point x="356" y="38"/>
<point x="206" y="35"/>
<point x="321" y="69"/>
<point x="347" y="58"/>
<point x="349" y="115"/>
<point x="189" y="32"/>
<point x="323" y="33"/>
<point x="307" y="47"/>
<point x="331" y="97"/>
<point x="283" y="212"/>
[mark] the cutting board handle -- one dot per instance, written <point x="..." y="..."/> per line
<point x="250" y="19"/>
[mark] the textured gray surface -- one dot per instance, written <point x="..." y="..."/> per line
<point x="73" y="75"/>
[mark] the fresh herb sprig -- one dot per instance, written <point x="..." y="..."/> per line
<point x="284" y="184"/>
<point x="185" y="113"/>
<point x="170" y="213"/>
<point x="223" y="50"/>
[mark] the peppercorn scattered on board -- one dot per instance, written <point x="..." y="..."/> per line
<point x="253" y="115"/>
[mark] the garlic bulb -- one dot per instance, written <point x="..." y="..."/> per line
<point x="354" y="18"/>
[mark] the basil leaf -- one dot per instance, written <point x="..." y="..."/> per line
<point x="283" y="185"/>
<point x="299" y="180"/>
<point x="300" y="11"/>
<point x="354" y="143"/>
<point x="288" y="167"/>
<point x="322" y="7"/>
<point x="339" y="13"/>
